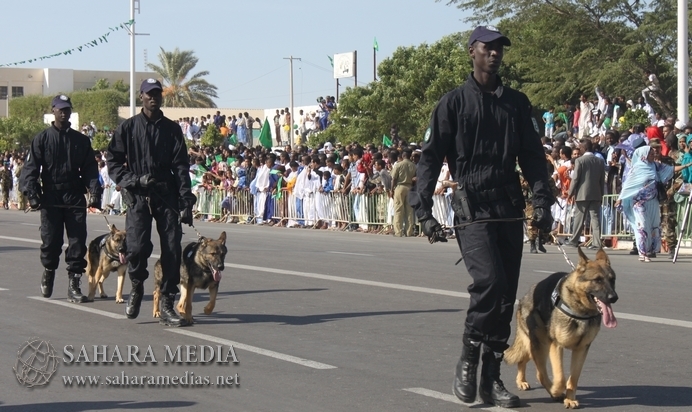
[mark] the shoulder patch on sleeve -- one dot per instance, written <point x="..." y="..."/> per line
<point x="28" y="156"/>
<point x="535" y="125"/>
<point x="427" y="135"/>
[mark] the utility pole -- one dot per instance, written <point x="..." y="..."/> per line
<point x="290" y="130"/>
<point x="683" y="62"/>
<point x="134" y="6"/>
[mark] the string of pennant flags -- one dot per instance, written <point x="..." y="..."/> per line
<point x="88" y="45"/>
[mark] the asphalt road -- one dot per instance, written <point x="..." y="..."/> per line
<point x="323" y="321"/>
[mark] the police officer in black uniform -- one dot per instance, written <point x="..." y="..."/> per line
<point x="483" y="128"/>
<point x="64" y="161"/>
<point x="147" y="158"/>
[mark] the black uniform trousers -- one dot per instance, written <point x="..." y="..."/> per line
<point x="492" y="253"/>
<point x="54" y="222"/>
<point x="138" y="223"/>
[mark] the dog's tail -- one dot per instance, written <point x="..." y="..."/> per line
<point x="520" y="351"/>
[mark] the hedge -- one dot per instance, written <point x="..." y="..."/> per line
<point x="99" y="106"/>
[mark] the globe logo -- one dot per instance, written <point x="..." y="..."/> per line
<point x="36" y="363"/>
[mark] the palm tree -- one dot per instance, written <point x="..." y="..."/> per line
<point x="178" y="89"/>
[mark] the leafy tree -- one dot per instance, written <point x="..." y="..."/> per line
<point x="633" y="117"/>
<point x="104" y="84"/>
<point x="17" y="132"/>
<point x="411" y="82"/>
<point x="180" y="88"/>
<point x="212" y="137"/>
<point x="100" y="141"/>
<point x="564" y="48"/>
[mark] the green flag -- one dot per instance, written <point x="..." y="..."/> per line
<point x="375" y="45"/>
<point x="331" y="60"/>
<point x="386" y="141"/>
<point x="219" y="158"/>
<point x="265" y="138"/>
<point x="233" y="140"/>
<point x="231" y="160"/>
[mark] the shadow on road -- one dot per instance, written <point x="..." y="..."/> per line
<point x="217" y="318"/>
<point x="94" y="405"/>
<point x="634" y="395"/>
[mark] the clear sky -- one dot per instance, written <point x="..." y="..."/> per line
<point x="241" y="43"/>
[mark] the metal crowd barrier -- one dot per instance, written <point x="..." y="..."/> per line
<point x="375" y="211"/>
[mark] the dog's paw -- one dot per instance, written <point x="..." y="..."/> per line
<point x="571" y="404"/>
<point x="559" y="397"/>
<point x="104" y="296"/>
<point x="157" y="314"/>
<point x="119" y="300"/>
<point x="523" y="386"/>
<point x="208" y="310"/>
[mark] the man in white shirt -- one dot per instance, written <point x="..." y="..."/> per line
<point x="585" y="108"/>
<point x="653" y="85"/>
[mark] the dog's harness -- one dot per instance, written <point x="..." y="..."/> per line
<point x="103" y="247"/>
<point x="562" y="306"/>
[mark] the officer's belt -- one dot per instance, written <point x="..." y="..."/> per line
<point x="61" y="186"/>
<point x="490" y="195"/>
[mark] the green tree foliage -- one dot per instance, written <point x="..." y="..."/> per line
<point x="100" y="141"/>
<point x="31" y="107"/>
<point x="99" y="106"/>
<point x="411" y="82"/>
<point x="561" y="49"/>
<point x="181" y="89"/>
<point x="633" y="117"/>
<point x="104" y="84"/>
<point x="17" y="132"/>
<point x="212" y="137"/>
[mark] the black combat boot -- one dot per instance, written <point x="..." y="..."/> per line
<point x="135" y="300"/>
<point x="539" y="245"/>
<point x="532" y="245"/>
<point x="47" y="282"/>
<point x="491" y="389"/>
<point x="168" y="315"/>
<point x="635" y="249"/>
<point x="465" y="384"/>
<point x="74" y="293"/>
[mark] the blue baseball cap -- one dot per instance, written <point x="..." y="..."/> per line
<point x="61" y="102"/>
<point x="149" y="85"/>
<point x="487" y="34"/>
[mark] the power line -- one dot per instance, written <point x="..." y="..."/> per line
<point x="250" y="81"/>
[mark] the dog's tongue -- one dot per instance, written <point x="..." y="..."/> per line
<point x="123" y="259"/>
<point x="217" y="275"/>
<point x="608" y="317"/>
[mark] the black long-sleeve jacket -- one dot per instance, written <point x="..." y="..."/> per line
<point x="63" y="160"/>
<point x="141" y="146"/>
<point x="482" y="135"/>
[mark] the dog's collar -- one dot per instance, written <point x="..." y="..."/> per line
<point x="103" y="247"/>
<point x="562" y="306"/>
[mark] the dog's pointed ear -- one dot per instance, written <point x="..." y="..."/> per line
<point x="222" y="237"/>
<point x="113" y="229"/>
<point x="583" y="260"/>
<point x="602" y="257"/>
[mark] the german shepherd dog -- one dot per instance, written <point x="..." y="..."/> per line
<point x="106" y="254"/>
<point x="200" y="268"/>
<point x="563" y="311"/>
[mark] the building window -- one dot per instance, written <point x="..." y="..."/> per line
<point x="17" y="91"/>
<point x="3" y="92"/>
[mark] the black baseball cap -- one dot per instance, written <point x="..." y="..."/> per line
<point x="149" y="85"/>
<point x="61" y="102"/>
<point x="487" y="34"/>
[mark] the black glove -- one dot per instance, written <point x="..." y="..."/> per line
<point x="94" y="201"/>
<point x="34" y="201"/>
<point x="542" y="219"/>
<point x="186" y="216"/>
<point x="145" y="181"/>
<point x="433" y="230"/>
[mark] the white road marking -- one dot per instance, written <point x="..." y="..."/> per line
<point x="622" y="315"/>
<point x="21" y="239"/>
<point x="30" y="224"/>
<point x="81" y="307"/>
<point x="349" y="253"/>
<point x="545" y="271"/>
<point x="100" y="230"/>
<point x="254" y="349"/>
<point x="3" y="289"/>
<point x="453" y="399"/>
